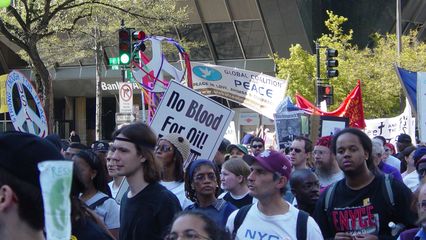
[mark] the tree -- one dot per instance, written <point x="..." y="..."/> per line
<point x="44" y="28"/>
<point x="374" y="66"/>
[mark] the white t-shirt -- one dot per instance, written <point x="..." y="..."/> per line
<point x="178" y="189"/>
<point x="108" y="211"/>
<point x="411" y="180"/>
<point x="394" y="162"/>
<point x="114" y="190"/>
<point x="257" y="225"/>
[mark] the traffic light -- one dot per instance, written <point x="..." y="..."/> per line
<point x="326" y="93"/>
<point x="137" y="38"/>
<point x="331" y="63"/>
<point x="124" y="45"/>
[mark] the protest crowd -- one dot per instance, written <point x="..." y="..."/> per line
<point x="139" y="186"/>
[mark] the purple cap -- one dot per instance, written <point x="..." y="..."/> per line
<point x="272" y="161"/>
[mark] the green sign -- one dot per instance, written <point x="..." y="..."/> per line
<point x="129" y="75"/>
<point x="114" y="61"/>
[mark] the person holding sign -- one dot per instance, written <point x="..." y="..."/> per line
<point x="21" y="202"/>
<point x="171" y="153"/>
<point x="148" y="208"/>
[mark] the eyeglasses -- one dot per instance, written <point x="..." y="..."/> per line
<point x="297" y="150"/>
<point x="163" y="148"/>
<point x="422" y="204"/>
<point x="257" y="146"/>
<point x="201" y="177"/>
<point x="189" y="234"/>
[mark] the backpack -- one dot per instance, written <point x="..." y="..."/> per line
<point x="386" y="189"/>
<point x="98" y="203"/>
<point x="301" y="225"/>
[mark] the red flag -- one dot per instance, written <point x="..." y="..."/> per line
<point x="351" y="108"/>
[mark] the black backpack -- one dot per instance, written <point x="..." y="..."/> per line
<point x="301" y="225"/>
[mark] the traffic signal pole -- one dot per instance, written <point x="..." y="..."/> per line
<point x="318" y="80"/>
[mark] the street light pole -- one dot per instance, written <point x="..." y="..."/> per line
<point x="318" y="79"/>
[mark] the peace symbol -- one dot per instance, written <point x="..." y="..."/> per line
<point x="24" y="116"/>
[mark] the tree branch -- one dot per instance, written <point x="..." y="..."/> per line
<point x="11" y="37"/>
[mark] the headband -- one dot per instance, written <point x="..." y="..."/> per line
<point x="197" y="163"/>
<point x="142" y="143"/>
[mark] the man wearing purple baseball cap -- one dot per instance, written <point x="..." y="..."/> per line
<point x="271" y="216"/>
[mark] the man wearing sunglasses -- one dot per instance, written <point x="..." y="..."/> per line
<point x="257" y="146"/>
<point x="300" y="152"/>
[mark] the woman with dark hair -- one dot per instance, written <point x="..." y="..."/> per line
<point x="202" y="183"/>
<point x="171" y="152"/>
<point x="96" y="193"/>
<point x="364" y="197"/>
<point x="195" y="225"/>
<point x="85" y="225"/>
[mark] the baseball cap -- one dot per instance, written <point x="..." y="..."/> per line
<point x="240" y="147"/>
<point x="272" y="161"/>
<point x="418" y="154"/>
<point x="100" y="146"/>
<point x="404" y="138"/>
<point x="180" y="143"/>
<point x="21" y="152"/>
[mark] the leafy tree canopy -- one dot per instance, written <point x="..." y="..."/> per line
<point x="381" y="90"/>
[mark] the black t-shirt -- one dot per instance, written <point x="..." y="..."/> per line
<point x="87" y="229"/>
<point x="365" y="210"/>
<point x="148" y="215"/>
<point x="239" y="203"/>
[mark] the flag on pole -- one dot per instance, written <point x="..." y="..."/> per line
<point x="408" y="81"/>
<point x="351" y="108"/>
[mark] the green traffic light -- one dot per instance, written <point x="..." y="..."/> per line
<point x="124" y="59"/>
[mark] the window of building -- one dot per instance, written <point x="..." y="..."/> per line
<point x="253" y="39"/>
<point x="194" y="34"/>
<point x="225" y="41"/>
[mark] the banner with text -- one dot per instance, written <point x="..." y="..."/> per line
<point x="200" y="119"/>
<point x="257" y="91"/>
<point x="390" y="128"/>
<point x="3" y="104"/>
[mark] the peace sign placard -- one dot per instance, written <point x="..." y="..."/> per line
<point x="27" y="114"/>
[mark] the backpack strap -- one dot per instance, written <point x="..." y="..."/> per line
<point x="329" y="195"/>
<point x="239" y="219"/>
<point x="302" y="225"/>
<point x="98" y="203"/>
<point x="388" y="188"/>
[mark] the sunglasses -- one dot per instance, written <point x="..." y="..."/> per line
<point x="319" y="152"/>
<point x="163" y="148"/>
<point x="257" y="146"/>
<point x="297" y="150"/>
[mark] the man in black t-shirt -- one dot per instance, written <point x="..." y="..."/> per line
<point x="148" y="208"/>
<point x="361" y="206"/>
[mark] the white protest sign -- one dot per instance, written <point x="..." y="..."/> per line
<point x="200" y="119"/>
<point x="230" y="133"/>
<point x="126" y="97"/>
<point x="55" y="182"/>
<point x="421" y="105"/>
<point x="390" y="128"/>
<point x="24" y="116"/>
<point x="257" y="91"/>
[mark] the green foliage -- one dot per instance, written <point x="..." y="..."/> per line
<point x="381" y="89"/>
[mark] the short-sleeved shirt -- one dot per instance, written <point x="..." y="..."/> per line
<point x="108" y="211"/>
<point x="257" y="225"/>
<point x="364" y="210"/>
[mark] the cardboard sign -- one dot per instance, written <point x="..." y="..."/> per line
<point x="200" y="119"/>
<point x="25" y="118"/>
<point x="257" y="91"/>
